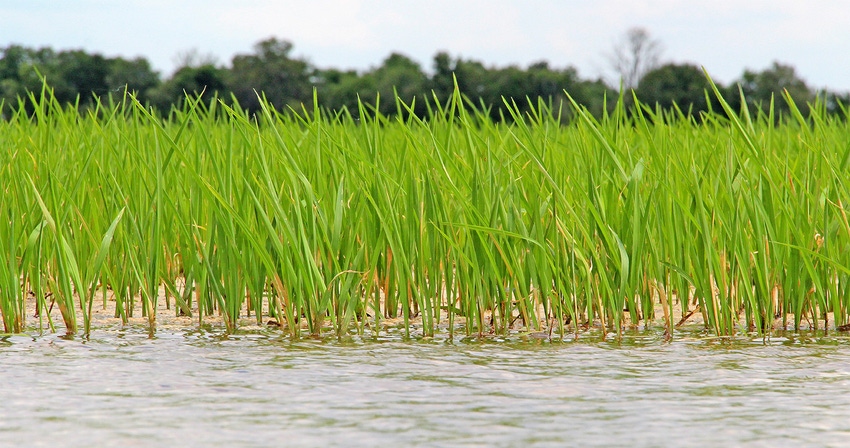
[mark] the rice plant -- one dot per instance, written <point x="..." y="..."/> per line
<point x="324" y="224"/>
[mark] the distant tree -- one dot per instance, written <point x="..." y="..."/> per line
<point x="396" y="74"/>
<point x="550" y="84"/>
<point x="338" y="89"/>
<point x="14" y="59"/>
<point x="24" y="71"/>
<point x="760" y="87"/>
<point x="271" y="70"/>
<point x="837" y="103"/>
<point x="73" y="75"/>
<point x="593" y="95"/>
<point x="442" y="81"/>
<point x="634" y="55"/>
<point x="84" y="75"/>
<point x="682" y="84"/>
<point x="546" y="82"/>
<point x="194" y="58"/>
<point x="475" y="80"/>
<point x="288" y="81"/>
<point x="136" y="74"/>
<point x="486" y="86"/>
<point x="206" y="79"/>
<point x="539" y="82"/>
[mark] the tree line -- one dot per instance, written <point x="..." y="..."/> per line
<point x="79" y="77"/>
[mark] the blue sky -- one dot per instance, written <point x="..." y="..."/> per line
<point x="726" y="36"/>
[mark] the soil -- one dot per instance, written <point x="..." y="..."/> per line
<point x="167" y="318"/>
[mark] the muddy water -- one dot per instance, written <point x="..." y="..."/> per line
<point x="202" y="388"/>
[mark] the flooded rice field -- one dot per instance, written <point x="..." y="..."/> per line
<point x="205" y="388"/>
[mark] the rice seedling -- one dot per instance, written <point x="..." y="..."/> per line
<point x="323" y="224"/>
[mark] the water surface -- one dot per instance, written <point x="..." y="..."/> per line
<point x="202" y="388"/>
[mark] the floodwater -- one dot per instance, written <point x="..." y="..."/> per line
<point x="203" y="388"/>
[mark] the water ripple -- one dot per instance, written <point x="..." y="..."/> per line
<point x="203" y="388"/>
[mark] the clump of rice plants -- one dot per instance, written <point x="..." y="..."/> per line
<point x="321" y="223"/>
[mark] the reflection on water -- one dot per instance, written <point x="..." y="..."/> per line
<point x="205" y="388"/>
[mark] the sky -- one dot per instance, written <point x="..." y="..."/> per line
<point x="725" y="36"/>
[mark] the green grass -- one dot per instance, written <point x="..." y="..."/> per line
<point x="331" y="224"/>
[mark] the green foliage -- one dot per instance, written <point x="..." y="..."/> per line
<point x="376" y="88"/>
<point x="284" y="80"/>
<point x="135" y="75"/>
<point x="76" y="77"/>
<point x="682" y="85"/>
<point x="287" y="81"/>
<point x="206" y="81"/>
<point x="767" y="86"/>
